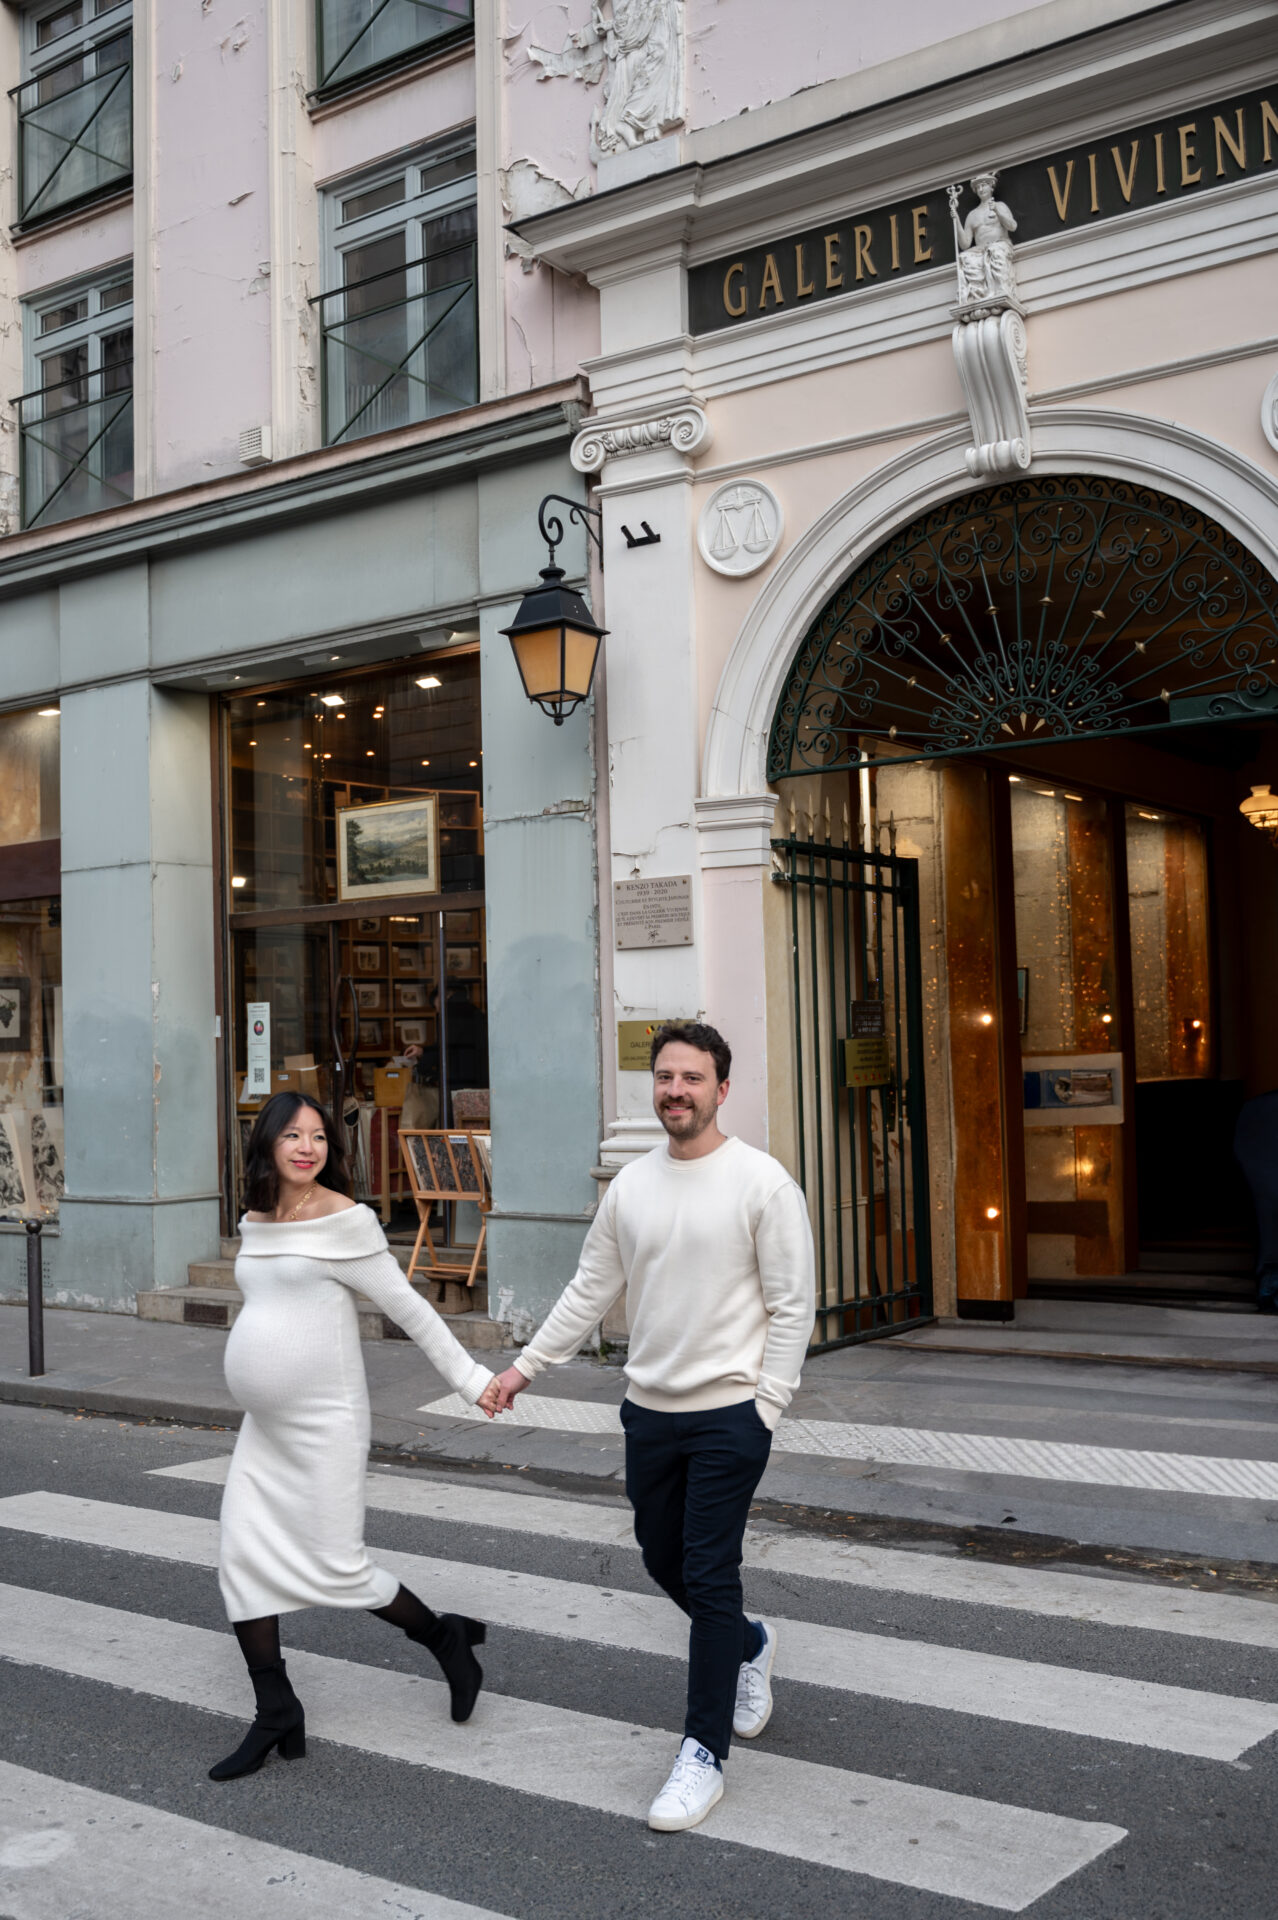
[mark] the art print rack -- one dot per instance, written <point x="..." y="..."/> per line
<point x="446" y="1165"/>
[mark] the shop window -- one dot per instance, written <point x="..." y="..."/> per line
<point x="398" y="328"/>
<point x="356" y="38"/>
<point x="75" y="105"/>
<point x="1171" y="980"/>
<point x="357" y="925"/>
<point x="76" y="423"/>
<point x="31" y="1140"/>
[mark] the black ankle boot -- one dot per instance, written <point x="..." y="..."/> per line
<point x="280" y="1722"/>
<point x="450" y="1640"/>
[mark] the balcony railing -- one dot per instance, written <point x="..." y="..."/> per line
<point x="393" y="357"/>
<point x="75" y="131"/>
<point x="77" y="447"/>
<point x="355" y="36"/>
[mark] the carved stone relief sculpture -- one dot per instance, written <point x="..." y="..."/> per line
<point x="990" y="346"/>
<point x="636" y="48"/>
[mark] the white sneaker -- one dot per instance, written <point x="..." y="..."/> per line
<point x="695" y="1785"/>
<point x="754" y="1688"/>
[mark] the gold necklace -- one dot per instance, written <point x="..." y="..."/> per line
<point x="301" y="1203"/>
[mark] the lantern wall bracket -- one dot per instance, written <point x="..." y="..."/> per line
<point x="647" y="539"/>
<point x="552" y="527"/>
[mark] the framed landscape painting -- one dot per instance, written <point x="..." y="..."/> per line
<point x="389" y="848"/>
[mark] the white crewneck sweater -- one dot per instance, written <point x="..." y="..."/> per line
<point x="715" y="1256"/>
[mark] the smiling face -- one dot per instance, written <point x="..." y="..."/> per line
<point x="685" y="1092"/>
<point x="301" y="1149"/>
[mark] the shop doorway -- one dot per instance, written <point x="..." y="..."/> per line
<point x="355" y="935"/>
<point x="1067" y="686"/>
<point x="1139" y="1037"/>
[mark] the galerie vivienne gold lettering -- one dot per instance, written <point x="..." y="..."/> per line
<point x="878" y="237"/>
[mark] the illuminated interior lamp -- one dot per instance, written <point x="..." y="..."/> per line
<point x="49" y="713"/>
<point x="430" y="680"/>
<point x="238" y="880"/>
<point x="991" y="1213"/>
<point x="987" y="1019"/>
<point x="1107" y="1019"/>
<point x="1261" y="808"/>
<point x="333" y="699"/>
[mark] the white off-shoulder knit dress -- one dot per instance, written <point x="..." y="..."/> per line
<point x="293" y="1510"/>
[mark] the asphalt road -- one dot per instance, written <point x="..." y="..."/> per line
<point x="535" y="1812"/>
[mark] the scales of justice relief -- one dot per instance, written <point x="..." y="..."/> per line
<point x="739" y="526"/>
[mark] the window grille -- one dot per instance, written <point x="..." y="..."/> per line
<point x="399" y="329"/>
<point x="75" y="106"/>
<point x="356" y="37"/>
<point x="76" y="424"/>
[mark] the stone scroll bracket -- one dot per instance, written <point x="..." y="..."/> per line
<point x="991" y="352"/>
<point x="680" y="431"/>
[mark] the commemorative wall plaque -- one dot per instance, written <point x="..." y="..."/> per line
<point x="653" y="913"/>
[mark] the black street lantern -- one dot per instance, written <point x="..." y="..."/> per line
<point x="555" y="641"/>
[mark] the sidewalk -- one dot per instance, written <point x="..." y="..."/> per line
<point x="1178" y="1393"/>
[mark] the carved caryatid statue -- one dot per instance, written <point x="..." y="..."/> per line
<point x="636" y="47"/>
<point x="986" y="268"/>
<point x="990" y="346"/>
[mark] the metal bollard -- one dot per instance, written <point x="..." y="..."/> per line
<point x="35" y="1297"/>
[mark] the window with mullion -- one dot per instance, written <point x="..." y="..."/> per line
<point x="75" y="105"/>
<point x="400" y="339"/>
<point x="356" y="37"/>
<point x="76" y="420"/>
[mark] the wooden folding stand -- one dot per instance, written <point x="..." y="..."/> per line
<point x="447" y="1165"/>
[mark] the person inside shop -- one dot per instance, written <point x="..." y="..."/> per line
<point x="466" y="1056"/>
<point x="292" y="1532"/>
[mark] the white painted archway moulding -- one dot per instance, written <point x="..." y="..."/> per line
<point x="1213" y="478"/>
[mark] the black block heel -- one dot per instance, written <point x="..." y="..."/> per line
<point x="450" y="1639"/>
<point x="280" y="1725"/>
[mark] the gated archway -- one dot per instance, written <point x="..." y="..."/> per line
<point x="1054" y="609"/>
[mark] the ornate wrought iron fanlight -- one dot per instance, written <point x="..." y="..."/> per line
<point x="1044" y="610"/>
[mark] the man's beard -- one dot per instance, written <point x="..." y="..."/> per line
<point x="685" y="1123"/>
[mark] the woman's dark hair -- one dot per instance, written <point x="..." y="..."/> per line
<point x="261" y="1181"/>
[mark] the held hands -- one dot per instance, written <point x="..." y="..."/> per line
<point x="501" y="1390"/>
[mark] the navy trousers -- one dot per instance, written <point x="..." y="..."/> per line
<point x="690" y="1478"/>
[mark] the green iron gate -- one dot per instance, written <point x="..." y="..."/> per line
<point x="858" y="1048"/>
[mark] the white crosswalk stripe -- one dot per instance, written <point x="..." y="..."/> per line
<point x="950" y="1452"/>
<point x="1065" y="1595"/>
<point x="69" y="1850"/>
<point x="1028" y="1693"/>
<point x="993" y="1854"/>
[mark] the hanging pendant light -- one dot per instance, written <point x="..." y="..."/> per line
<point x="1261" y="808"/>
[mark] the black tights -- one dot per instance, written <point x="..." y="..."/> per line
<point x="260" y="1639"/>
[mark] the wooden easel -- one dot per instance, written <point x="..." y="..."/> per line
<point x="445" y="1164"/>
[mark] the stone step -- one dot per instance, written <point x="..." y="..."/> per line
<point x="218" y="1306"/>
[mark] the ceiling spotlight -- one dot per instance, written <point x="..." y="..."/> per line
<point x="333" y="699"/>
<point x="49" y="713"/>
<point x="425" y="763"/>
<point x="991" y="1213"/>
<point x="238" y="880"/>
<point x="368" y="753"/>
<point x="252" y="743"/>
<point x="261" y="703"/>
<point x="987" y="1019"/>
<point x="430" y="680"/>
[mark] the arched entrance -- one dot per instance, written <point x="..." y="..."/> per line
<point x="1056" y="691"/>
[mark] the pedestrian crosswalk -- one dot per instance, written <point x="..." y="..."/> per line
<point x="1027" y="1693"/>
<point x="785" y="1804"/>
<point x="70" y="1850"/>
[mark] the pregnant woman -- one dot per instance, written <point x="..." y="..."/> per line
<point x="293" y="1510"/>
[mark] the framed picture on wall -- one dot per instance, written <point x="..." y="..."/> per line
<point x="461" y="926"/>
<point x="370" y="1034"/>
<point x="15" y="1013"/>
<point x="368" y="959"/>
<point x="462" y="961"/>
<point x="368" y="926"/>
<point x="410" y="995"/>
<point x="387" y="849"/>
<point x="368" y="995"/>
<point x="412" y="1033"/>
<point x="410" y="960"/>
